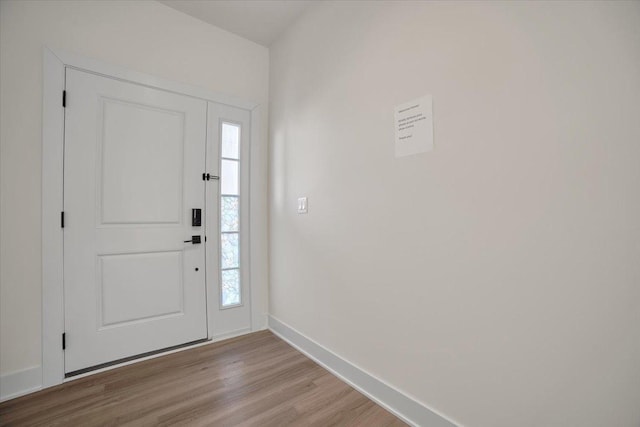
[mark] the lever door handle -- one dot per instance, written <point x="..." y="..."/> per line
<point x="194" y="239"/>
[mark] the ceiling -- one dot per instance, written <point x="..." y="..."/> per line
<point x="261" y="21"/>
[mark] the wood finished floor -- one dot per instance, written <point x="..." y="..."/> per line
<point x="254" y="380"/>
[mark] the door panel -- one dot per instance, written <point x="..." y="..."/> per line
<point x="139" y="142"/>
<point x="122" y="278"/>
<point x="134" y="158"/>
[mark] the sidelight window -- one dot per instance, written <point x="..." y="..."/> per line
<point x="230" y="291"/>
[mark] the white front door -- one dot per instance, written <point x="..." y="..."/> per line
<point x="134" y="158"/>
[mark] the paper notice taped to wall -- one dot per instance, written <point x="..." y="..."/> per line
<point x="414" y="126"/>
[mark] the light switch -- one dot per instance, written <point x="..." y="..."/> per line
<point x="302" y="205"/>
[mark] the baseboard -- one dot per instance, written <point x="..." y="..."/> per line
<point x="20" y="383"/>
<point x="393" y="400"/>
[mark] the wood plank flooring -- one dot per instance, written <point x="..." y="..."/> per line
<point x="253" y="380"/>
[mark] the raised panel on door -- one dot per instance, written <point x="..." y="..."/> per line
<point x="140" y="142"/>
<point x="134" y="157"/>
<point x="126" y="281"/>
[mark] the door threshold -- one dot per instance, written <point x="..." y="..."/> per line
<point x="131" y="359"/>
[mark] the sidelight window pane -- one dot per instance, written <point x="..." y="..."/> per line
<point x="230" y="141"/>
<point x="229" y="177"/>
<point x="230" y="216"/>
<point x="230" y="250"/>
<point x="230" y="287"/>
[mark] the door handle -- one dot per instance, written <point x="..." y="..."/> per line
<point x="194" y="239"/>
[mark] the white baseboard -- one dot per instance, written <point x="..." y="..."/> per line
<point x="396" y="402"/>
<point x="20" y="383"/>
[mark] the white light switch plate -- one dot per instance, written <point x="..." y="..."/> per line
<point x="302" y="205"/>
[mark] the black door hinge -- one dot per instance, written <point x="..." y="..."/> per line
<point x="209" y="177"/>
<point x="64" y="99"/>
<point x="64" y="340"/>
<point x="62" y="219"/>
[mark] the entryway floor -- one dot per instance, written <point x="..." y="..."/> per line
<point x="253" y="380"/>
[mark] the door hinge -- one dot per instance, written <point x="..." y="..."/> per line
<point x="64" y="99"/>
<point x="64" y="340"/>
<point x="209" y="177"/>
<point x="62" y="219"/>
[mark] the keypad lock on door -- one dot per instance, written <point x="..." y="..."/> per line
<point x="196" y="217"/>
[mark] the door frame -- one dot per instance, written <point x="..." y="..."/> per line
<point x="55" y="62"/>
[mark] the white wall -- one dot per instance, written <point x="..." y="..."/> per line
<point x="497" y="278"/>
<point x="144" y="36"/>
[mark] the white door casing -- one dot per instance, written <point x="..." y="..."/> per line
<point x="134" y="158"/>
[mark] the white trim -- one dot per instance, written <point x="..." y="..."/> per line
<point x="55" y="63"/>
<point x="212" y="228"/>
<point x="52" y="205"/>
<point x="403" y="406"/>
<point x="257" y="261"/>
<point x="20" y="383"/>
<point x="113" y="71"/>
